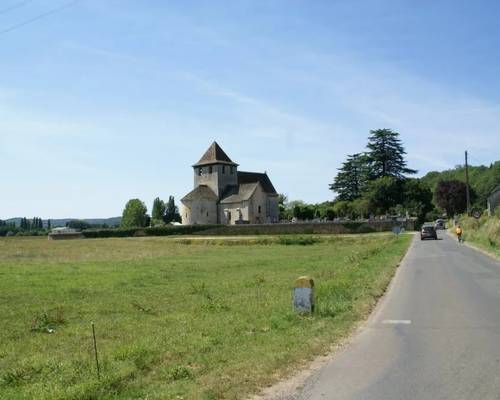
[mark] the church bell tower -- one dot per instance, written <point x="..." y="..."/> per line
<point x="215" y="170"/>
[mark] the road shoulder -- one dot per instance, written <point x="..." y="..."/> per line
<point x="474" y="247"/>
<point x="289" y="388"/>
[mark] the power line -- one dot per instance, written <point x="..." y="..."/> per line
<point x="40" y="16"/>
<point x="479" y="162"/>
<point x="15" y="6"/>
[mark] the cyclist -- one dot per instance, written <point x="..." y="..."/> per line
<point x="458" y="231"/>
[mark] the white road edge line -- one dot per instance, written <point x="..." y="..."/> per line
<point x="397" y="321"/>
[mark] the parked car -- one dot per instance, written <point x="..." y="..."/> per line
<point x="439" y="224"/>
<point x="428" y="232"/>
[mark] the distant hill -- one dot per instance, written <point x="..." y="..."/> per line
<point x="114" y="221"/>
<point x="482" y="180"/>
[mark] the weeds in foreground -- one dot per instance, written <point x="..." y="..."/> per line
<point x="483" y="232"/>
<point x="47" y="321"/>
<point x="143" y="308"/>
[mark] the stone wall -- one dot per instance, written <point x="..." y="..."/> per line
<point x="310" y="228"/>
<point x="267" y="229"/>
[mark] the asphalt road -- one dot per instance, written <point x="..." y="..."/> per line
<point x="436" y="335"/>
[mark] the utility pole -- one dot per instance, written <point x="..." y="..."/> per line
<point x="467" y="183"/>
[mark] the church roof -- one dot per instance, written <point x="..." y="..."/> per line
<point x="214" y="155"/>
<point x="239" y="193"/>
<point x="201" y="192"/>
<point x="250" y="177"/>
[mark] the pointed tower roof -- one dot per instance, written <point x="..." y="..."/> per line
<point x="214" y="155"/>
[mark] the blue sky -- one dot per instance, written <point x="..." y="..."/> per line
<point x="111" y="100"/>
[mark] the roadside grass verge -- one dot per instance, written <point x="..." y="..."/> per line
<point x="176" y="320"/>
<point x="483" y="232"/>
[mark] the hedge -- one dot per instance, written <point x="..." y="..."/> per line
<point x="265" y="229"/>
<point x="168" y="230"/>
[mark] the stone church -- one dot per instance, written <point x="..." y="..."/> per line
<point x="224" y="195"/>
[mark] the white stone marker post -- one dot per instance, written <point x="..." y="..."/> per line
<point x="303" y="295"/>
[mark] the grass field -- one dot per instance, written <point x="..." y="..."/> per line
<point x="176" y="319"/>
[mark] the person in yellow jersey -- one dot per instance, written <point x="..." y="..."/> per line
<point x="458" y="231"/>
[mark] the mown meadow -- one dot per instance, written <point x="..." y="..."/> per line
<point x="177" y="319"/>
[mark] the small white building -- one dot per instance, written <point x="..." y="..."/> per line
<point x="224" y="195"/>
<point x="65" y="233"/>
<point x="63" y="229"/>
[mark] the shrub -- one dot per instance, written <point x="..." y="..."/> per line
<point x="47" y="321"/>
<point x="179" y="372"/>
<point x="298" y="240"/>
<point x="108" y="233"/>
<point x="169" y="230"/>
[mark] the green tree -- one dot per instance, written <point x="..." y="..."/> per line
<point x="482" y="179"/>
<point x="383" y="194"/>
<point x="351" y="179"/>
<point x="286" y="207"/>
<point x="78" y="224"/>
<point x="344" y="209"/>
<point x="135" y="214"/>
<point x="49" y="225"/>
<point x="417" y="198"/>
<point x="386" y="155"/>
<point x="330" y="214"/>
<point x="24" y="224"/>
<point x="158" y="212"/>
<point x="297" y="211"/>
<point x="171" y="211"/>
<point x="324" y="210"/>
<point x="451" y="196"/>
<point x="307" y="213"/>
<point x="282" y="199"/>
<point x="360" y="208"/>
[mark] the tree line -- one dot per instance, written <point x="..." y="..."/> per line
<point x="378" y="182"/>
<point x="33" y="226"/>
<point x="81" y="225"/>
<point x="482" y="179"/>
<point x="135" y="213"/>
<point x="369" y="183"/>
